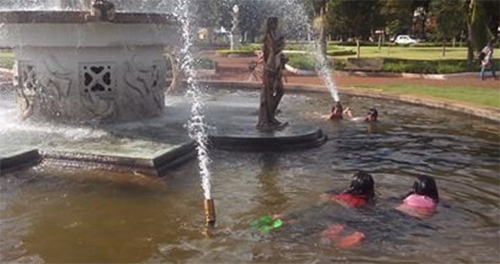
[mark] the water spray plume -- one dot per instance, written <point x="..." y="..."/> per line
<point x="296" y="10"/>
<point x="196" y="126"/>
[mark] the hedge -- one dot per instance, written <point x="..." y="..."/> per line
<point x="305" y="62"/>
<point x="430" y="66"/>
<point x="204" y="63"/>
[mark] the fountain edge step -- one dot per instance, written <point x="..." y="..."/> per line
<point x="299" y="141"/>
<point x="19" y="161"/>
<point x="156" y="166"/>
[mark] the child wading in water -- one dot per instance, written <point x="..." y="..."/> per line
<point x="422" y="200"/>
<point x="360" y="193"/>
<point x="338" y="112"/>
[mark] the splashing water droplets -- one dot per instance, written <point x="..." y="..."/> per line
<point x="297" y="17"/>
<point x="196" y="126"/>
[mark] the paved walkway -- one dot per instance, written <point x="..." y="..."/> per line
<point x="236" y="69"/>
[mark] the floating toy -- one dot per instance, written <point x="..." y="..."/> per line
<point x="266" y="223"/>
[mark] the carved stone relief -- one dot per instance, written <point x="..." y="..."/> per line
<point x="98" y="89"/>
<point x="53" y="87"/>
<point x="145" y="83"/>
<point x="26" y="87"/>
<point x="42" y="87"/>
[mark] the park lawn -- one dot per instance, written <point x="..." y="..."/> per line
<point x="415" y="53"/>
<point x="471" y="95"/>
<point x="6" y="59"/>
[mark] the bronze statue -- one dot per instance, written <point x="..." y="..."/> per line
<point x="274" y="63"/>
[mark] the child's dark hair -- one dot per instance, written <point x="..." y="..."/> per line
<point x="373" y="111"/>
<point x="425" y="185"/>
<point x="362" y="184"/>
<point x="339" y="108"/>
<point x="337" y="105"/>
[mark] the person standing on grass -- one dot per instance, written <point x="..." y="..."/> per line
<point x="487" y="60"/>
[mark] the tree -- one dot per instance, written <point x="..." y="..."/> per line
<point x="320" y="9"/>
<point x="492" y="13"/>
<point x="449" y="18"/>
<point x="252" y="16"/>
<point x="352" y="18"/>
<point x="207" y="15"/>
<point x="398" y="16"/>
<point x="420" y="7"/>
<point x="478" y="32"/>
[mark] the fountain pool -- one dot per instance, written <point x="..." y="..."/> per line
<point x="55" y="215"/>
<point x="56" y="212"/>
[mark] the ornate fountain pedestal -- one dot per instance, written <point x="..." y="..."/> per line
<point x="72" y="68"/>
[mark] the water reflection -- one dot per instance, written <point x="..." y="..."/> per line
<point x="271" y="195"/>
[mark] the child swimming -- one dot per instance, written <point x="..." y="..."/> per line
<point x="359" y="193"/>
<point x="422" y="200"/>
<point x="370" y="117"/>
<point x="338" y="113"/>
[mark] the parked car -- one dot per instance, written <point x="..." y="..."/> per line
<point x="404" y="40"/>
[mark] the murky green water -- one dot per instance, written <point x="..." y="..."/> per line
<point x="61" y="215"/>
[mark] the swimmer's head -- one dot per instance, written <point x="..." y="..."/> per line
<point x="362" y="184"/>
<point x="371" y="115"/>
<point x="337" y="110"/>
<point x="426" y="186"/>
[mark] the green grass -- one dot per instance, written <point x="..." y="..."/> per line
<point x="471" y="95"/>
<point x="6" y="58"/>
<point x="420" y="53"/>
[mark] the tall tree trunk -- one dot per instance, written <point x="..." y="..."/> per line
<point x="322" y="34"/>
<point x="444" y="48"/>
<point x="470" y="34"/>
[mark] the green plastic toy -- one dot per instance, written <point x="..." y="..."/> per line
<point x="266" y="223"/>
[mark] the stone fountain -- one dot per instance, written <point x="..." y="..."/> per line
<point x="84" y="63"/>
<point x="93" y="64"/>
<point x="90" y="64"/>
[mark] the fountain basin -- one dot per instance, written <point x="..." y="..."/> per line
<point x="151" y="146"/>
<point x="72" y="68"/>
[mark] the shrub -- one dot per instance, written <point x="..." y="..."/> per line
<point x="6" y="59"/>
<point x="410" y="66"/>
<point x="303" y="62"/>
<point x="430" y="66"/>
<point x="248" y="50"/>
<point x="339" y="64"/>
<point x="341" y="53"/>
<point x="204" y="63"/>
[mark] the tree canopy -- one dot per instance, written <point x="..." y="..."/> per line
<point x="346" y="19"/>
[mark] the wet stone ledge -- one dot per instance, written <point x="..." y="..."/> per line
<point x="19" y="160"/>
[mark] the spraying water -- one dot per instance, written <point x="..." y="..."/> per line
<point x="298" y="17"/>
<point x="196" y="126"/>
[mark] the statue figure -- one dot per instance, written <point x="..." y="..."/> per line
<point x="103" y="10"/>
<point x="274" y="63"/>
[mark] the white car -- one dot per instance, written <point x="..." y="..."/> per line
<point x="404" y="40"/>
